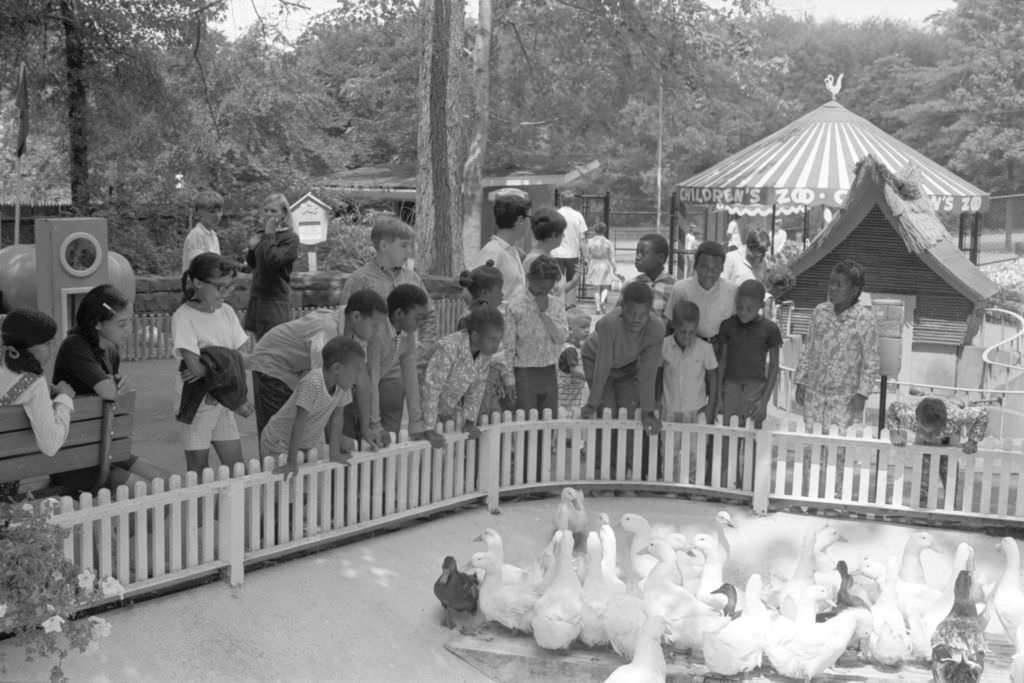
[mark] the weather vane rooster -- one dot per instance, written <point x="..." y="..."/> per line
<point x="834" y="85"/>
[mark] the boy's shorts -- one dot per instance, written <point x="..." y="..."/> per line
<point x="213" y="422"/>
<point x="740" y="398"/>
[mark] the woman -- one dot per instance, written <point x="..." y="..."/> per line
<point x="271" y="255"/>
<point x="839" y="365"/>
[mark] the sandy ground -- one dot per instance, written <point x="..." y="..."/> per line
<point x="366" y="612"/>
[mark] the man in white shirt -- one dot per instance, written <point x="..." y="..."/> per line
<point x="733" y="235"/>
<point x="512" y="216"/>
<point x="571" y="252"/>
<point x="202" y="238"/>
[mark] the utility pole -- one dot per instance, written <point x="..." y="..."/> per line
<point x="661" y="135"/>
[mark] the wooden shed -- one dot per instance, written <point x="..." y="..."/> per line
<point x="888" y="225"/>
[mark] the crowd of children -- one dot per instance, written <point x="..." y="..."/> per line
<point x="679" y="351"/>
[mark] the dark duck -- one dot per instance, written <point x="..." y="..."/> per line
<point x="456" y="590"/>
<point x="958" y="644"/>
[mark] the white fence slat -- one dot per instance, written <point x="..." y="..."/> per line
<point x="141" y="539"/>
<point x="934" y="480"/>
<point x="437" y="458"/>
<point x="970" y="480"/>
<point x="654" y="457"/>
<point x="365" y="495"/>
<point x="506" y="459"/>
<point x="175" y="537"/>
<point x="636" y="454"/>
<point x="191" y="521"/>
<point x="123" y="548"/>
<point x="670" y="437"/>
<point x="561" y="436"/>
<point x="848" y="467"/>
<point x="716" y="461"/>
<point x="209" y="505"/>
<point x="88" y="557"/>
<point x="352" y="493"/>
<point x="546" y="470"/>
<point x="448" y="472"/>
<point x="391" y="483"/>
<point x="532" y="452"/>
<point x="283" y="489"/>
<point x="882" y="478"/>
<point x="473" y="447"/>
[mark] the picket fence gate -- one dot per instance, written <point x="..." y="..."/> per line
<point x="153" y="536"/>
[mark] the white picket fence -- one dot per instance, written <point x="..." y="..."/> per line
<point x="176" y="531"/>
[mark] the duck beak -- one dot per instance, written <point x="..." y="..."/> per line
<point x="446" y="575"/>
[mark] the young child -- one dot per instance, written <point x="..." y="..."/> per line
<point x="483" y="284"/>
<point x="747" y="338"/>
<point x="651" y="255"/>
<point x="511" y="216"/>
<point x="318" y="400"/>
<point x="202" y="238"/>
<point x="548" y="227"/>
<point x="690" y="369"/>
<point x="747" y="262"/>
<point x="572" y="383"/>
<point x="457" y="372"/>
<point x="535" y="329"/>
<point x="622" y="356"/>
<point x="26" y="345"/>
<point x="88" y="358"/>
<point x="838" y="367"/>
<point x="601" y="270"/>
<point x="714" y="296"/>
<point x="205" y="320"/>
<point x="271" y="255"/>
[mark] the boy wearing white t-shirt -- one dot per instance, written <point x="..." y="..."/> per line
<point x="690" y="368"/>
<point x="202" y="238"/>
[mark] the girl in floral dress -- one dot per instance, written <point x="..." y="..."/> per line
<point x="839" y="365"/>
<point x="601" y="271"/>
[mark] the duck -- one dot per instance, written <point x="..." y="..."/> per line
<point x="609" y="553"/>
<point x="712" y="575"/>
<point x="888" y="643"/>
<point x="623" y="618"/>
<point x="647" y="664"/>
<point x="510" y="605"/>
<point x="868" y="579"/>
<point x="570" y="514"/>
<point x="963" y="559"/>
<point x="456" y="591"/>
<point x="510" y="573"/>
<point x="724" y="521"/>
<point x="558" y="613"/>
<point x="845" y="596"/>
<point x="815" y="542"/>
<point x="914" y="594"/>
<point x="640" y="529"/>
<point x="958" y="644"/>
<point x="686" y="617"/>
<point x="1008" y="599"/>
<point x="824" y="565"/>
<point x="807" y="650"/>
<point x="738" y="647"/>
<point x="732" y="599"/>
<point x="666" y="569"/>
<point x="1017" y="661"/>
<point x="596" y="592"/>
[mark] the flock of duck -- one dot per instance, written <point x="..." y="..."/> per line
<point x="671" y="594"/>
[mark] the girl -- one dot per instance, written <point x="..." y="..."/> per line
<point x="271" y="255"/>
<point x="26" y="344"/>
<point x="457" y="372"/>
<point x="88" y="359"/>
<point x="601" y="270"/>
<point x="838" y="367"/>
<point x="484" y="286"/>
<point x="203" y="320"/>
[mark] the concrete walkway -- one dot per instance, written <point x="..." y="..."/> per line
<point x="366" y="612"/>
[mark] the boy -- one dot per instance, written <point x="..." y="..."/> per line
<point x="511" y="216"/>
<point x="548" y="227"/>
<point x="690" y="369"/>
<point x="572" y="384"/>
<point x="393" y="349"/>
<point x="209" y="207"/>
<point x="746" y="338"/>
<point x="318" y="401"/>
<point x="715" y="297"/>
<point x="290" y="349"/>
<point x="651" y="255"/>
<point x="622" y="356"/>
<point x="535" y="329"/>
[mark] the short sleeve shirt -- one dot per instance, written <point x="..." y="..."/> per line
<point x="284" y="352"/>
<point x="312" y="396"/>
<point x="83" y="365"/>
<point x="193" y="330"/>
<point x="715" y="304"/>
<point x="200" y="240"/>
<point x="745" y="347"/>
<point x="685" y="375"/>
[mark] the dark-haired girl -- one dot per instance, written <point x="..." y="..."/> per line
<point x="26" y="344"/>
<point x="205" y="319"/>
<point x="484" y="285"/>
<point x="88" y="358"/>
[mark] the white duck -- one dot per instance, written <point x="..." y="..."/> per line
<point x="889" y="642"/>
<point x="712" y="575"/>
<point x="1017" y="661"/>
<point x="808" y="650"/>
<point x="824" y="565"/>
<point x="815" y="542"/>
<point x="686" y="617"/>
<point x="596" y="592"/>
<point x="666" y="569"/>
<point x="1008" y="599"/>
<point x="511" y="605"/>
<point x="558" y="613"/>
<point x="623" y="618"/>
<point x="510" y="573"/>
<point x="609" y="554"/>
<point x="868" y="579"/>
<point x="640" y="528"/>
<point x="648" y="661"/>
<point x="725" y="521"/>
<point x="914" y="594"/>
<point x="739" y="646"/>
<point x="570" y="514"/>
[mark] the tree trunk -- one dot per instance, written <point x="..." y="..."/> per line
<point x="438" y="201"/>
<point x="78" y="103"/>
<point x="472" y="181"/>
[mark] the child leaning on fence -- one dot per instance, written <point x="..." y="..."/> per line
<point x="484" y="286"/>
<point x="535" y="329"/>
<point x="572" y="383"/>
<point x="936" y="421"/>
<point x="457" y="371"/>
<point x="316" y="405"/>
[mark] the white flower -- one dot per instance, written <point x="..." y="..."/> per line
<point x="111" y="587"/>
<point x="54" y="624"/>
<point x="3" y="609"/>
<point x="87" y="581"/>
<point x="100" y="627"/>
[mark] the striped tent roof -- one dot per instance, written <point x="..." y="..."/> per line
<point x="810" y="162"/>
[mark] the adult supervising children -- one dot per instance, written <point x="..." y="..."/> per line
<point x="512" y="215"/>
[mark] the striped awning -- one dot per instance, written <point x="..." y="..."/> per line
<point x="810" y="162"/>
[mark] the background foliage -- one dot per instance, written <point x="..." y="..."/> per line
<point x="572" y="80"/>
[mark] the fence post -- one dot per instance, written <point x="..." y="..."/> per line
<point x="231" y="529"/>
<point x="763" y="451"/>
<point x="490" y="460"/>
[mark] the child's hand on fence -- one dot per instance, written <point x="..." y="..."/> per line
<point x="588" y="411"/>
<point x="650" y="421"/>
<point x="289" y="469"/>
<point x="435" y="439"/>
<point x="470" y="428"/>
<point x="377" y="437"/>
<point x="507" y="391"/>
<point x="760" y="411"/>
<point x="347" y="445"/>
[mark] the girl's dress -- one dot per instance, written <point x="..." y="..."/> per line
<point x="600" y="268"/>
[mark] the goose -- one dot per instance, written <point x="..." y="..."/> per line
<point x="1008" y="599"/>
<point x="648" y="662"/>
<point x="558" y="613"/>
<point x="738" y="647"/>
<point x="889" y="642"/>
<point x="510" y="605"/>
<point x="510" y="573"/>
<point x="596" y="592"/>
<point x="815" y="542"/>
<point x="570" y="514"/>
<point x="640" y="529"/>
<point x="623" y="618"/>
<point x="807" y="650"/>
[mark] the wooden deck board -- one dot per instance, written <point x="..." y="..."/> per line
<point x="510" y="658"/>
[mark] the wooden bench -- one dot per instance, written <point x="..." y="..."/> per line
<point x="100" y="436"/>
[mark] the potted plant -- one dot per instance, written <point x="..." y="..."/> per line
<point x="41" y="592"/>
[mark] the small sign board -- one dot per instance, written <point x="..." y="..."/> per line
<point x="311" y="217"/>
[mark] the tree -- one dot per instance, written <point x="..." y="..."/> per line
<point x="472" y="182"/>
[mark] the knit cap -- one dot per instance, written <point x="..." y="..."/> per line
<point x="25" y="327"/>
